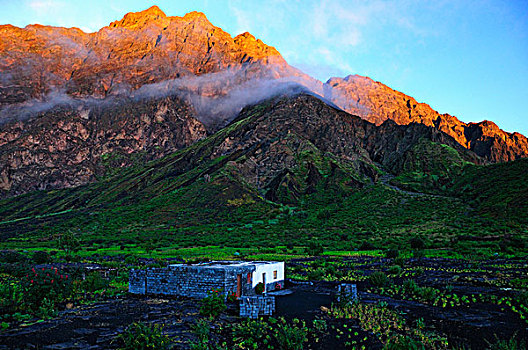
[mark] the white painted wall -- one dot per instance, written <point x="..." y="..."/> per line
<point x="268" y="268"/>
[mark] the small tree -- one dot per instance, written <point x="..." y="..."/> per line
<point x="69" y="242"/>
<point x="314" y="248"/>
<point x="45" y="286"/>
<point x="417" y="243"/>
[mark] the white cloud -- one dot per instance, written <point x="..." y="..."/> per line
<point x="45" y="5"/>
<point x="243" y="20"/>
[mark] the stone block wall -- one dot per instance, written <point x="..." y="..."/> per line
<point x="137" y="281"/>
<point x="346" y="292"/>
<point x="256" y="306"/>
<point x="188" y="280"/>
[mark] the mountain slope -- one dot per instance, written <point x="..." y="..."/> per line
<point x="376" y="103"/>
<point x="149" y="84"/>
<point x="71" y="145"/>
<point x="285" y="170"/>
<point x="283" y="148"/>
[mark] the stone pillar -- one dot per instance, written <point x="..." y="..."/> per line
<point x="137" y="283"/>
<point x="256" y="306"/>
<point x="346" y="292"/>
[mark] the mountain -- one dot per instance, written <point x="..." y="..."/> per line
<point x="286" y="169"/>
<point x="76" y="106"/>
<point x="70" y="145"/>
<point x="142" y="48"/>
<point x="376" y="102"/>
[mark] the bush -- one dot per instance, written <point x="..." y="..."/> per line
<point x="417" y="254"/>
<point x="400" y="261"/>
<point x="271" y="334"/>
<point x="402" y="342"/>
<point x="40" y="257"/>
<point x="392" y="253"/>
<point x="314" y="248"/>
<point x="378" y="279"/>
<point x="213" y="305"/>
<point x="201" y="329"/>
<point x="417" y="243"/>
<point x="291" y="336"/>
<point x="316" y="275"/>
<point x="94" y="282"/>
<point x="249" y="334"/>
<point x="131" y="260"/>
<point x="366" y="245"/>
<point x="12" y="257"/>
<point x="141" y="336"/>
<point x="394" y="270"/>
<point x="507" y="344"/>
<point x="259" y="288"/>
<point x="49" y="284"/>
<point x="11" y="298"/>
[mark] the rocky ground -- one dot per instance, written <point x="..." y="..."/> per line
<point x="95" y="326"/>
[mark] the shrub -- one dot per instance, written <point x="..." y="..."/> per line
<point x="417" y="243"/>
<point x="509" y="344"/>
<point x="400" y="261"/>
<point x="131" y="260"/>
<point x="291" y="336"/>
<point x="201" y="329"/>
<point x="378" y="279"/>
<point x="11" y="297"/>
<point x="259" y="288"/>
<point x="314" y="248"/>
<point x="11" y="257"/>
<point x="46" y="309"/>
<point x="366" y="245"/>
<point x="213" y="305"/>
<point x="392" y="253"/>
<point x="231" y="297"/>
<point x="40" y="257"/>
<point x="417" y="254"/>
<point x="402" y="342"/>
<point x="141" y="336"/>
<point x="49" y="284"/>
<point x="94" y="282"/>
<point x="249" y="334"/>
<point x="394" y="270"/>
<point x="316" y="275"/>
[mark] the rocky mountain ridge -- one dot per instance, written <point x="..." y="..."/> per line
<point x="150" y="84"/>
<point x="376" y="102"/>
<point x="142" y="48"/>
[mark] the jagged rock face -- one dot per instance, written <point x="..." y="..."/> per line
<point x="289" y="132"/>
<point x="142" y="48"/>
<point x="63" y="146"/>
<point x="377" y="103"/>
<point x="72" y="145"/>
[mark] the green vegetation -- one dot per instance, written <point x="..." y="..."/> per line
<point x="320" y="203"/>
<point x="141" y="336"/>
<point x="388" y="325"/>
<point x="429" y="167"/>
<point x="213" y="305"/>
<point x="272" y="333"/>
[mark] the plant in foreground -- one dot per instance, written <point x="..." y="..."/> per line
<point x="45" y="285"/>
<point x="141" y="336"/>
<point x="213" y="305"/>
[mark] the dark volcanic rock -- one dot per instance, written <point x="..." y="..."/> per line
<point x="70" y="146"/>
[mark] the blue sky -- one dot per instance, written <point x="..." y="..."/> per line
<point x="463" y="57"/>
